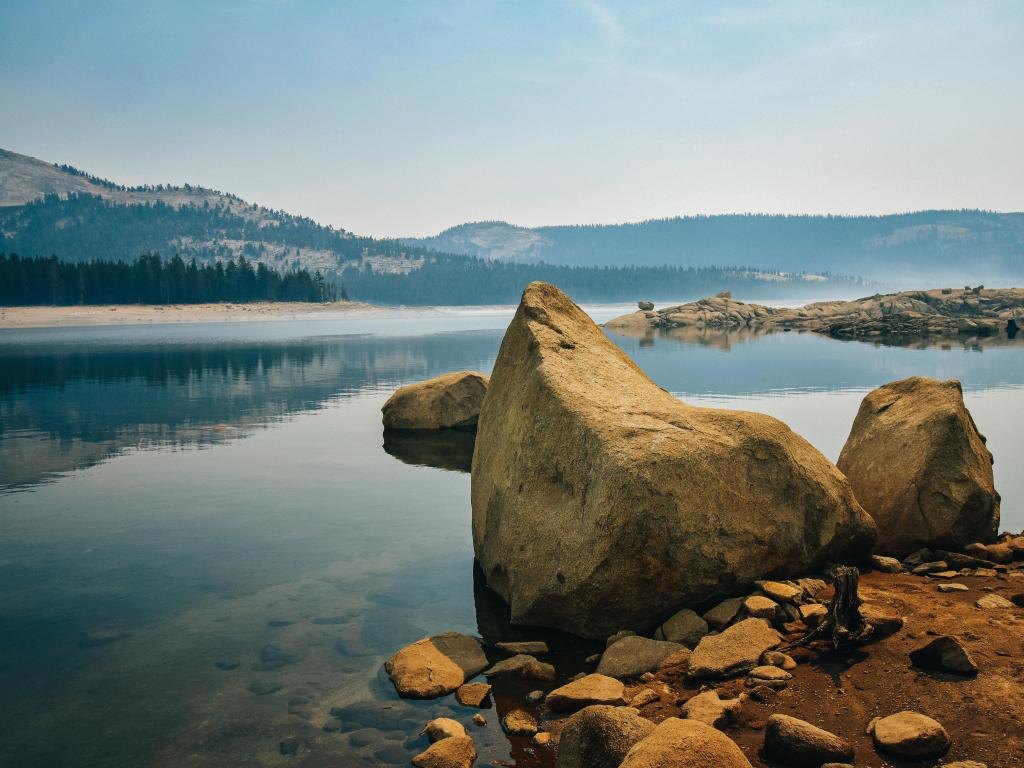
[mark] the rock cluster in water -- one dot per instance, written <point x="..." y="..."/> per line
<point x="940" y="312"/>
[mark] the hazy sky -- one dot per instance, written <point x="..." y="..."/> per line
<point x="407" y="117"/>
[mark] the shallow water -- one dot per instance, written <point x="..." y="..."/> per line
<point x="175" y="497"/>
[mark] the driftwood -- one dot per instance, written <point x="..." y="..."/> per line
<point x="844" y="625"/>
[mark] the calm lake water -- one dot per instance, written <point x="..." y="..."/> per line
<point x="174" y="499"/>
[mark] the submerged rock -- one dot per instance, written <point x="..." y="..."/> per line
<point x="919" y="466"/>
<point x="599" y="736"/>
<point x="736" y="650"/>
<point x="451" y="401"/>
<point x="658" y="495"/>
<point x="679" y="743"/>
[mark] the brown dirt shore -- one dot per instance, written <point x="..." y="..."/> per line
<point x="137" y="314"/>
<point x="842" y="693"/>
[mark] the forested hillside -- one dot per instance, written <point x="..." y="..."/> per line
<point x="939" y="246"/>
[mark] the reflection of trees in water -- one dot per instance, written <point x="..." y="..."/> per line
<point x="63" y="407"/>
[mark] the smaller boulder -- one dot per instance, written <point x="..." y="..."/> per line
<point x="736" y="650"/>
<point x="993" y="602"/>
<point x="679" y="743"/>
<point x="910" y="735"/>
<point x="646" y="306"/>
<point x="685" y="628"/>
<point x="632" y="656"/>
<point x="588" y="690"/>
<point x="761" y="607"/>
<point x="421" y="671"/>
<point x="812" y="614"/>
<point x="886" y="564"/>
<point x="451" y="401"/>
<point x="523" y="666"/>
<point x="519" y="723"/>
<point x="722" y="614"/>
<point x="531" y="647"/>
<point x="709" y="708"/>
<point x="947" y="654"/>
<point x="454" y="752"/>
<point x="599" y="736"/>
<point x="781" y="592"/>
<point x="798" y="743"/>
<point x="443" y="728"/>
<point x="472" y="694"/>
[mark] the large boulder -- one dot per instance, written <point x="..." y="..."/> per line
<point x="679" y="743"/>
<point x="599" y="736"/>
<point x="451" y="401"/>
<point x="600" y="501"/>
<point x="919" y="466"/>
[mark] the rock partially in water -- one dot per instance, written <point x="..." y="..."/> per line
<point x="632" y="656"/>
<point x="519" y="723"/>
<point x="588" y="690"/>
<point x="914" y="454"/>
<point x="679" y="743"/>
<point x="421" y="671"/>
<point x="451" y="401"/>
<point x="668" y="504"/>
<point x="456" y="752"/>
<point x="473" y="694"/>
<point x="599" y="736"/>
<point x="523" y="666"/>
<point x="734" y="651"/>
<point x="798" y="743"/>
<point x="467" y="652"/>
<point x="910" y="735"/>
<point x="443" y="728"/>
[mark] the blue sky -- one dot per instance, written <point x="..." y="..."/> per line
<point x="394" y="118"/>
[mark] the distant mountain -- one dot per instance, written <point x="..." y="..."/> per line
<point x="944" y="246"/>
<point x="46" y="209"/>
<point x="50" y="210"/>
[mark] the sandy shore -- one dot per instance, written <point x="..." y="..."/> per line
<point x="136" y="314"/>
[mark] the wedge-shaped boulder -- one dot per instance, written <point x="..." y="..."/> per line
<point x="451" y="401"/>
<point x="919" y="466"/>
<point x="600" y="501"/>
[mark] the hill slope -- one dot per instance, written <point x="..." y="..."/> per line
<point x="946" y="246"/>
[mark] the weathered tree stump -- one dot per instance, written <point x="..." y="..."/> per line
<point x="844" y="625"/>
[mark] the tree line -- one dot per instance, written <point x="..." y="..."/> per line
<point x="455" y="280"/>
<point x="151" y="280"/>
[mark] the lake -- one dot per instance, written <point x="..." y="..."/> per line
<point x="175" y="500"/>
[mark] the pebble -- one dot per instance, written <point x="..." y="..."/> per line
<point x="479" y="719"/>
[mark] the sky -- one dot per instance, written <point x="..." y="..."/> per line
<point x="404" y="118"/>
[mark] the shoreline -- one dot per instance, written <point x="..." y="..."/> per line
<point x="16" y="318"/>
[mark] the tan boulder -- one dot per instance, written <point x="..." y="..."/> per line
<point x="454" y="752"/>
<point x="679" y="743"/>
<point x="600" y="501"/>
<point x="736" y="650"/>
<point x="919" y="466"/>
<point x="709" y="708"/>
<point x="910" y="735"/>
<point x="451" y="401"/>
<point x="443" y="728"/>
<point x="588" y="690"/>
<point x="599" y="736"/>
<point x="421" y="671"/>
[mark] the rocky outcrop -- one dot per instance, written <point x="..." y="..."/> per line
<point x="938" y="312"/>
<point x="679" y="743"/>
<point x="600" y="736"/>
<point x="451" y="401"/>
<point x="601" y="501"/>
<point x="919" y="466"/>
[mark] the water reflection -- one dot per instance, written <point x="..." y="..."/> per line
<point x="450" y="449"/>
<point x="64" y="407"/>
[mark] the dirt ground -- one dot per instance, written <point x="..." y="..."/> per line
<point x="984" y="716"/>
